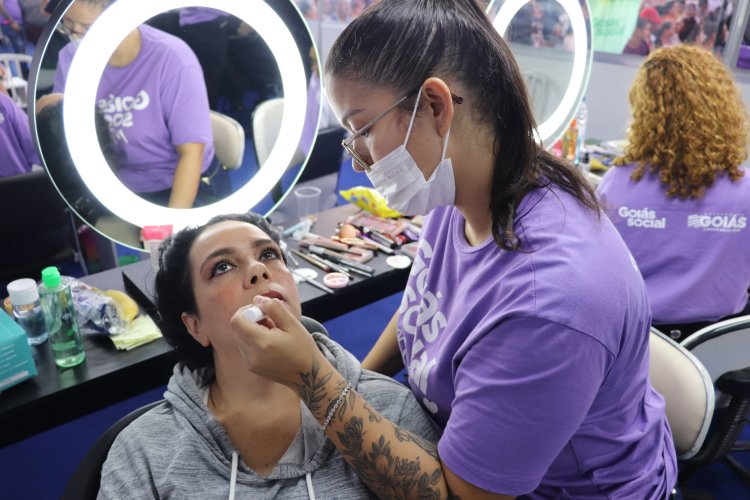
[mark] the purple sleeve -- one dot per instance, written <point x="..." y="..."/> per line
<point x="185" y="104"/>
<point x="604" y="185"/>
<point x="21" y="122"/>
<point x="522" y="391"/>
<point x="64" y="59"/>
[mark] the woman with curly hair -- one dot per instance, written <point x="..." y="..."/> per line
<point x="679" y="195"/>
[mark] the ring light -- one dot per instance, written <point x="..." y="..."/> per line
<point x="560" y="117"/>
<point x="86" y="70"/>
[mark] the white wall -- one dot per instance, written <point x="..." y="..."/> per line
<point x="607" y="95"/>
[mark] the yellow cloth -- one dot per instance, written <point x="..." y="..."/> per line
<point x="141" y="330"/>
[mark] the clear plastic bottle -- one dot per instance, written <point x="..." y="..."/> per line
<point x="61" y="319"/>
<point x="27" y="309"/>
<point x="581" y="118"/>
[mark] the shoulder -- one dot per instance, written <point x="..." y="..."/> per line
<point x="168" y="47"/>
<point x="66" y="53"/>
<point x="6" y="103"/>
<point x="152" y="430"/>
<point x="615" y="176"/>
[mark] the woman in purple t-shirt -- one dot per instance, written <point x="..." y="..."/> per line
<point x="154" y="98"/>
<point x="524" y="324"/>
<point x="679" y="196"/>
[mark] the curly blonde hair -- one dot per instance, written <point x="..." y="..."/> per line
<point x="689" y="121"/>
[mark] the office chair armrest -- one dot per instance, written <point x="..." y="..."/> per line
<point x="735" y="383"/>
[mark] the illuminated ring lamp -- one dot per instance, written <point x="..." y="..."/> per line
<point x="83" y="80"/>
<point x="558" y="120"/>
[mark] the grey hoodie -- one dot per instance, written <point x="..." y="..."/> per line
<point x="179" y="450"/>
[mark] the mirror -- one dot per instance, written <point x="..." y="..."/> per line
<point x="551" y="40"/>
<point x="143" y="85"/>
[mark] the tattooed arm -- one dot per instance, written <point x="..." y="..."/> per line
<point x="392" y="461"/>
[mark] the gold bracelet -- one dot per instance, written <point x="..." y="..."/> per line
<point x="335" y="406"/>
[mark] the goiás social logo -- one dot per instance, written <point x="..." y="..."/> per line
<point x="723" y="222"/>
<point x="643" y="217"/>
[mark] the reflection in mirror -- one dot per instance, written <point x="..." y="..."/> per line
<point x="176" y="98"/>
<point x="542" y="36"/>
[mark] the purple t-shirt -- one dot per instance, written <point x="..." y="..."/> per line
<point x="13" y="8"/>
<point x="535" y="362"/>
<point x="18" y="152"/>
<point x="152" y="105"/>
<point x="743" y="59"/>
<point x="196" y="15"/>
<point x="693" y="254"/>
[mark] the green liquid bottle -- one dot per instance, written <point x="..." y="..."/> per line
<point x="61" y="320"/>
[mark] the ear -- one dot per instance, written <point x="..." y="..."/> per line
<point x="192" y="322"/>
<point x="440" y="100"/>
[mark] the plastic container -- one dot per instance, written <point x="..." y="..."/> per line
<point x="585" y="165"/>
<point x="153" y="236"/>
<point x="27" y="309"/>
<point x="61" y="320"/>
<point x="582" y="116"/>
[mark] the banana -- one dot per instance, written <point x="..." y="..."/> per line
<point x="127" y="307"/>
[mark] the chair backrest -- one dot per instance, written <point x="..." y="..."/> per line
<point x="229" y="140"/>
<point x="14" y="82"/>
<point x="85" y="481"/>
<point x="266" y="127"/>
<point x="723" y="346"/>
<point x="687" y="389"/>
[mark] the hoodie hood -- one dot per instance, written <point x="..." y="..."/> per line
<point x="310" y="448"/>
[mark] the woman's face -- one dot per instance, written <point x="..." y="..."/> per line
<point x="79" y="18"/>
<point x="231" y="262"/>
<point x="356" y="104"/>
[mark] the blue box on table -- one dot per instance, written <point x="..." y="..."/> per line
<point x="16" y="363"/>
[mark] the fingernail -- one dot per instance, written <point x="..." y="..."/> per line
<point x="259" y="299"/>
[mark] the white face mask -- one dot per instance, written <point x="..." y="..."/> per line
<point x="397" y="177"/>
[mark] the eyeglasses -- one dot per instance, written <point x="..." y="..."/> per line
<point x="71" y="32"/>
<point x="348" y="143"/>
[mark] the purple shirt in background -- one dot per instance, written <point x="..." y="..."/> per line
<point x="312" y="115"/>
<point x="13" y="8"/>
<point x="643" y="49"/>
<point x="693" y="254"/>
<point x="195" y="15"/>
<point x="152" y="105"/>
<point x="743" y="59"/>
<point x="535" y="362"/>
<point x="18" y="152"/>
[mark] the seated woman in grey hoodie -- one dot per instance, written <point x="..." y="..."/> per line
<point x="222" y="430"/>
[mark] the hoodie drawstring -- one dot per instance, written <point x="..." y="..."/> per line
<point x="310" y="492"/>
<point x="233" y="479"/>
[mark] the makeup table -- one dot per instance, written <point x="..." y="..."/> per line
<point x="107" y="376"/>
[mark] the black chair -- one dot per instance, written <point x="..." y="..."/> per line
<point x="38" y="227"/>
<point x="85" y="481"/>
<point x="724" y="349"/>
